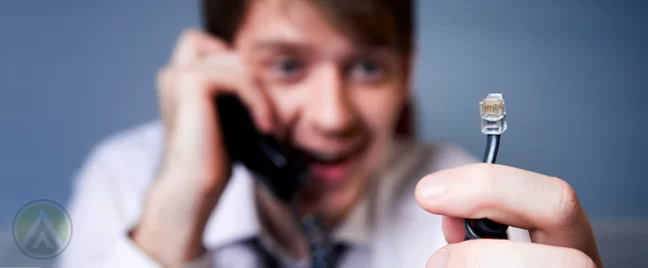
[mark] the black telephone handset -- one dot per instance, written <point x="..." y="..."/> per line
<point x="281" y="167"/>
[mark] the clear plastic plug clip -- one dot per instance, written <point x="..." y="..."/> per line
<point x="493" y="114"/>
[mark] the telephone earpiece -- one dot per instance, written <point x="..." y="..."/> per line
<point x="281" y="167"/>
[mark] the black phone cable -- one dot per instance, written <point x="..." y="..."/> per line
<point x="493" y="123"/>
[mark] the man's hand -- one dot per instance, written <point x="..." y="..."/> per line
<point x="195" y="167"/>
<point x="546" y="206"/>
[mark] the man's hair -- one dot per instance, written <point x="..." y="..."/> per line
<point x="371" y="22"/>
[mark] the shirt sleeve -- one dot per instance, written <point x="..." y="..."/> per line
<point x="100" y="221"/>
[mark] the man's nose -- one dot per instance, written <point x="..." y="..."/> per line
<point x="331" y="106"/>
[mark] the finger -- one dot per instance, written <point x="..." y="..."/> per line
<point x="194" y="44"/>
<point x="501" y="253"/>
<point x="546" y="206"/>
<point x="218" y="74"/>
<point x="453" y="229"/>
<point x="508" y="195"/>
<point x="233" y="77"/>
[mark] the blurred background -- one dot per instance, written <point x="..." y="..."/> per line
<point x="574" y="74"/>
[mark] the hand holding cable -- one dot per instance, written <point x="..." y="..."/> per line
<point x="546" y="206"/>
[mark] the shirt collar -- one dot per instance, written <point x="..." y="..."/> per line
<point x="355" y="229"/>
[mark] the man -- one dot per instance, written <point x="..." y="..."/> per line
<point x="332" y="76"/>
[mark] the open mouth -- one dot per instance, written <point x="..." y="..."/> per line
<point x="334" y="167"/>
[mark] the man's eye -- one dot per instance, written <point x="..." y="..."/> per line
<point x="287" y="68"/>
<point x="366" y="69"/>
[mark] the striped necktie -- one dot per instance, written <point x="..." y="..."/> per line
<point x="270" y="261"/>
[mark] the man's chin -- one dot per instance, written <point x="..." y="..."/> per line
<point x="331" y="183"/>
<point x="330" y="199"/>
<point x="318" y="188"/>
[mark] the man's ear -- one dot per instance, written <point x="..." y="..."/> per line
<point x="405" y="126"/>
<point x="410" y="65"/>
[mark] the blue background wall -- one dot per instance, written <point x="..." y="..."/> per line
<point x="574" y="75"/>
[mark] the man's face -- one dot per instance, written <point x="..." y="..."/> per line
<point x="335" y="98"/>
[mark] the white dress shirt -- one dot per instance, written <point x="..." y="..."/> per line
<point x="386" y="229"/>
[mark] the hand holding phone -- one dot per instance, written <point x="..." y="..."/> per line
<point x="280" y="167"/>
<point x="196" y="165"/>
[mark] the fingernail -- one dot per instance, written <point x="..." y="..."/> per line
<point x="439" y="259"/>
<point x="435" y="186"/>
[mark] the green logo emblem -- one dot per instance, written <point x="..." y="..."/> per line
<point x="42" y="229"/>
